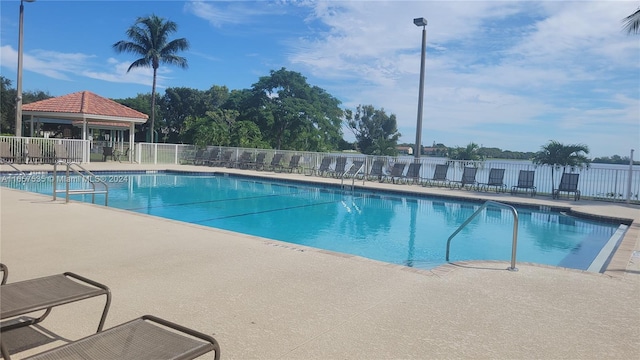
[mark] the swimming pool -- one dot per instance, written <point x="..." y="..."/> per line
<point x="385" y="226"/>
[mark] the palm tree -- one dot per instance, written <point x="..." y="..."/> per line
<point x="470" y="152"/>
<point x="149" y="39"/>
<point x="632" y="23"/>
<point x="557" y="154"/>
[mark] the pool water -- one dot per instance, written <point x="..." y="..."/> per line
<point x="389" y="227"/>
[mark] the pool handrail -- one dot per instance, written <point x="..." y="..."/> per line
<point x="353" y="180"/>
<point x="3" y="162"/>
<point x="514" y="243"/>
<point x="88" y="176"/>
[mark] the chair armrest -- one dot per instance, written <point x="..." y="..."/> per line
<point x="5" y="273"/>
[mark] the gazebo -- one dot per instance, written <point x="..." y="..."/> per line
<point x="86" y="110"/>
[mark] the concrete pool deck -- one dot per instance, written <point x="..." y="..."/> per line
<point x="265" y="299"/>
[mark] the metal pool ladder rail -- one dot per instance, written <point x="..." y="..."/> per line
<point x="12" y="166"/>
<point x="353" y="180"/>
<point x="86" y="175"/>
<point x="515" y="229"/>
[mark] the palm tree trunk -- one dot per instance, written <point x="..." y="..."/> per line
<point x="153" y="105"/>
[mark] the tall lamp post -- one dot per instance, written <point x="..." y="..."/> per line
<point x="420" y="22"/>
<point x="19" y="80"/>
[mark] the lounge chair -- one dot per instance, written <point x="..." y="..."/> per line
<point x="213" y="158"/>
<point x="496" y="178"/>
<point x="439" y="176"/>
<point x="325" y="166"/>
<point x="396" y="172"/>
<point x="294" y="164"/>
<point x="199" y="157"/>
<point x="568" y="184"/>
<point x="341" y="166"/>
<point x="275" y="161"/>
<point x="468" y="180"/>
<point x="34" y="154"/>
<point x="5" y="152"/>
<point x="525" y="182"/>
<point x="60" y="153"/>
<point x="147" y="337"/>
<point x="258" y="164"/>
<point x="244" y="160"/>
<point x="354" y="170"/>
<point x="376" y="171"/>
<point x="413" y="173"/>
<point x="45" y="293"/>
<point x="227" y="160"/>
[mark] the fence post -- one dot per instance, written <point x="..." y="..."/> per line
<point x="630" y="178"/>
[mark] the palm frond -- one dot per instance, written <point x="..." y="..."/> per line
<point x="631" y="24"/>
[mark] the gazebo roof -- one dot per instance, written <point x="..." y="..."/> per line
<point x="85" y="105"/>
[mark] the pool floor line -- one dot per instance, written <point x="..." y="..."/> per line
<point x="267" y="211"/>
<point x="215" y="200"/>
<point x="201" y="202"/>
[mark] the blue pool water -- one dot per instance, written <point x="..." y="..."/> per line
<point x="390" y="227"/>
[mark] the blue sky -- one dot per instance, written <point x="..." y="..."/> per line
<point x="510" y="74"/>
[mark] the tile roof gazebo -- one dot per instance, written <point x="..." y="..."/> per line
<point x="87" y="110"/>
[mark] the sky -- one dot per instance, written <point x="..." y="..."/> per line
<point x="507" y="74"/>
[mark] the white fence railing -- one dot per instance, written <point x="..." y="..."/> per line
<point x="17" y="150"/>
<point x="599" y="181"/>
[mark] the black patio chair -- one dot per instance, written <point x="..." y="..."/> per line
<point x="468" y="180"/>
<point x="355" y="169"/>
<point x="496" y="178"/>
<point x="525" y="182"/>
<point x="397" y="172"/>
<point x="413" y="173"/>
<point x="325" y="166"/>
<point x="340" y="169"/>
<point x="439" y="176"/>
<point x="568" y="184"/>
<point x="376" y="171"/>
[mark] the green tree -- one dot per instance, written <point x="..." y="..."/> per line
<point x="177" y="104"/>
<point x="470" y="152"/>
<point x="559" y="155"/>
<point x="376" y="132"/>
<point x="7" y="106"/>
<point x="631" y="24"/>
<point x="290" y="113"/>
<point x="149" y="39"/>
<point x="142" y="103"/>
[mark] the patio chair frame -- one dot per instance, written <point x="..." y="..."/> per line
<point x="413" y="173"/>
<point x="525" y="182"/>
<point x="468" y="180"/>
<point x="439" y="176"/>
<point x="146" y="337"/>
<point x="495" y="180"/>
<point x="568" y="184"/>
<point x="397" y="172"/>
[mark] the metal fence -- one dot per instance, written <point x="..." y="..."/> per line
<point x="599" y="181"/>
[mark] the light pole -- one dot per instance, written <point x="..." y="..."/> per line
<point x="19" y="80"/>
<point x="420" y="22"/>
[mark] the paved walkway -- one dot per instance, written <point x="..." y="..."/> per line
<point x="264" y="299"/>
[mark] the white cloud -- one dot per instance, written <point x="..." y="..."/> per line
<point x="488" y="63"/>
<point x="75" y="66"/>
